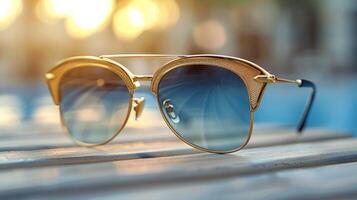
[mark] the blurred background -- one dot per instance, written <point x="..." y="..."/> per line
<point x="311" y="39"/>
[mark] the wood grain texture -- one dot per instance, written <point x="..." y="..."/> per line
<point x="51" y="140"/>
<point x="41" y="163"/>
<point x="120" y="176"/>
<point x="133" y="148"/>
<point x="327" y="182"/>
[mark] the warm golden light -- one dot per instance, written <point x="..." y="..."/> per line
<point x="128" y="23"/>
<point x="149" y="11"/>
<point x="136" y="17"/>
<point x="88" y="16"/>
<point x="85" y="17"/>
<point x="50" y="11"/>
<point x="140" y="15"/>
<point x="56" y="8"/>
<point x="169" y="14"/>
<point x="9" y="10"/>
<point x="210" y="35"/>
<point x="82" y="17"/>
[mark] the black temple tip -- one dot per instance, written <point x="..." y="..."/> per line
<point x="306" y="84"/>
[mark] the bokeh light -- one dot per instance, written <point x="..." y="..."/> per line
<point x="45" y="113"/>
<point x="53" y="8"/>
<point x="9" y="10"/>
<point x="140" y="15"/>
<point x="148" y="9"/>
<point x="169" y="14"/>
<point x="128" y="23"/>
<point x="82" y="17"/>
<point x="11" y="110"/>
<point x="210" y="35"/>
<point x="34" y="34"/>
<point x="86" y="17"/>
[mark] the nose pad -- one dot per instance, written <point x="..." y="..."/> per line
<point x="138" y="104"/>
<point x="169" y="109"/>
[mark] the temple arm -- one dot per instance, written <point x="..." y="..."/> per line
<point x="306" y="84"/>
<point x="301" y="83"/>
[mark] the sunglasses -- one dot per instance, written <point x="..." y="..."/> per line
<point x="208" y="101"/>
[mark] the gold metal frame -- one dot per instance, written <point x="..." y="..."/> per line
<point x="55" y="75"/>
<point x="254" y="77"/>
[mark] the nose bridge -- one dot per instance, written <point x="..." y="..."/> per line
<point x="138" y="78"/>
<point x="142" y="78"/>
<point x="139" y="102"/>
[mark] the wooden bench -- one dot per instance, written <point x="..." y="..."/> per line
<point x="153" y="164"/>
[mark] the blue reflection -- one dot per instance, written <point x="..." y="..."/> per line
<point x="208" y="106"/>
<point x="94" y="104"/>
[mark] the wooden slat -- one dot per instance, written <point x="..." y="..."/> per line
<point x="52" y="140"/>
<point x="138" y="174"/>
<point x="133" y="150"/>
<point x="327" y="182"/>
<point x="31" y="130"/>
<point x="61" y="140"/>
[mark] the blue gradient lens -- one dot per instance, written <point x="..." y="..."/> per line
<point x="208" y="106"/>
<point x="94" y="104"/>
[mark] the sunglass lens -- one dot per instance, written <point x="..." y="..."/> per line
<point x="207" y="106"/>
<point x="94" y="104"/>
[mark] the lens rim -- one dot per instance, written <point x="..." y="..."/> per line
<point x="235" y="67"/>
<point x="77" y="62"/>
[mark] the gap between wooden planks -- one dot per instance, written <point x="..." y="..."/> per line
<point x="148" y="147"/>
<point x="50" y="140"/>
<point x="144" y="174"/>
<point x="44" y="137"/>
<point x="324" y="182"/>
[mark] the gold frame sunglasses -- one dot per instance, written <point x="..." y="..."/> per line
<point x="254" y="77"/>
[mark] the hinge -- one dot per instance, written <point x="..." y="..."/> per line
<point x="265" y="78"/>
<point x="273" y="79"/>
